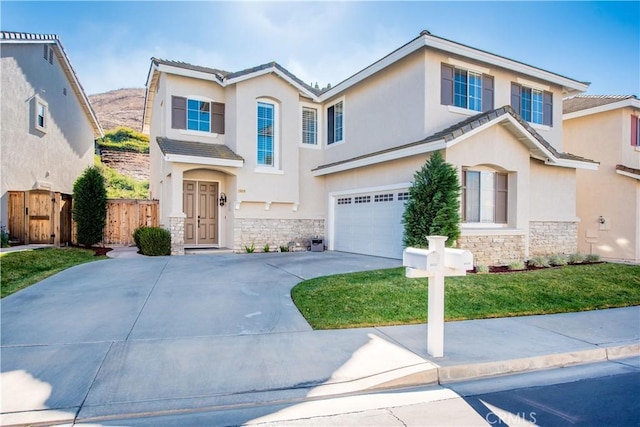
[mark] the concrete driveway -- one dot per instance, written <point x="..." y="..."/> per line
<point x="115" y="335"/>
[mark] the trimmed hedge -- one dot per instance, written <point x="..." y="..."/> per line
<point x="153" y="241"/>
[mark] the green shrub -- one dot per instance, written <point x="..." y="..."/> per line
<point x="153" y="241"/>
<point x="592" y="258"/>
<point x="284" y="248"/>
<point x="557" y="260"/>
<point x="266" y="248"/>
<point x="4" y="237"/>
<point x="136" y="235"/>
<point x="482" y="269"/>
<point x="250" y="249"/>
<point x="89" y="206"/>
<point x="516" y="265"/>
<point x="576" y="258"/>
<point x="538" y="262"/>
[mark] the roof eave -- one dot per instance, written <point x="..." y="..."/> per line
<point x="629" y="102"/>
<point x="209" y="161"/>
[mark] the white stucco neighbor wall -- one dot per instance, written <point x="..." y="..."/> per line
<point x="30" y="159"/>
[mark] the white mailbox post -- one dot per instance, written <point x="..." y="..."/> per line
<point x="436" y="263"/>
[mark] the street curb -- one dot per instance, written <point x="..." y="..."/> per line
<point x="482" y="370"/>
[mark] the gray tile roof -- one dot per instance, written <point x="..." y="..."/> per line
<point x="220" y="74"/>
<point x="628" y="169"/>
<point x="583" y="102"/>
<point x="196" y="149"/>
<point x="466" y="126"/>
<point x="274" y="64"/>
<point x="12" y="35"/>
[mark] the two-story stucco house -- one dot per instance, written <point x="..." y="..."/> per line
<point x="607" y="129"/>
<point x="290" y="162"/>
<point x="47" y="134"/>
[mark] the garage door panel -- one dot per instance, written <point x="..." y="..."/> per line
<point x="370" y="223"/>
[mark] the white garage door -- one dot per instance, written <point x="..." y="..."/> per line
<point x="370" y="223"/>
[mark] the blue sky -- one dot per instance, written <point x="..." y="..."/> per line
<point x="110" y="43"/>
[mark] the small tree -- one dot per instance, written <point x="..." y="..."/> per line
<point x="89" y="206"/>
<point x="433" y="207"/>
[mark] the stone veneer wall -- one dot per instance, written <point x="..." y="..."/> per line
<point x="494" y="249"/>
<point x="275" y="232"/>
<point x="553" y="237"/>
<point x="176" y="228"/>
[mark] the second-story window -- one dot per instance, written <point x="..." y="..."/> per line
<point x="309" y="126"/>
<point x="533" y="105"/>
<point x="266" y="134"/>
<point x="335" y="123"/>
<point x="197" y="115"/>
<point x="466" y="89"/>
<point x="40" y="114"/>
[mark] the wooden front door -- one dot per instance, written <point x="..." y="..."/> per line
<point x="40" y="214"/>
<point x="200" y="204"/>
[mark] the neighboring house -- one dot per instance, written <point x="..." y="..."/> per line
<point x="47" y="133"/>
<point x="292" y="162"/>
<point x="607" y="128"/>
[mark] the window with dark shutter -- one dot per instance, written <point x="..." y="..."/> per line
<point x="217" y="111"/>
<point x="446" y="84"/>
<point x="501" y="191"/>
<point x="330" y="125"/>
<point x="516" y="94"/>
<point x="547" y="108"/>
<point x="487" y="93"/>
<point x="178" y="112"/>
<point x="635" y="131"/>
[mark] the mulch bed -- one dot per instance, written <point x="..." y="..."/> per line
<point x="505" y="268"/>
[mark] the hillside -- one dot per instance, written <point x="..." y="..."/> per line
<point x="121" y="107"/>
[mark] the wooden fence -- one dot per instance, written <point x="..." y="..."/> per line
<point x="125" y="215"/>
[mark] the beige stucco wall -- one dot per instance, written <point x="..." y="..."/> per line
<point x="552" y="191"/>
<point x="56" y="157"/>
<point x="605" y="137"/>
<point x="441" y="116"/>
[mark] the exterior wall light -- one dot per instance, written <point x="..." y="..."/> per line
<point x="223" y="199"/>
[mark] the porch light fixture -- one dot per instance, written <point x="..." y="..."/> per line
<point x="223" y="199"/>
<point x="601" y="220"/>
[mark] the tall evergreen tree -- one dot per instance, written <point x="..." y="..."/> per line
<point x="90" y="206"/>
<point x="433" y="207"/>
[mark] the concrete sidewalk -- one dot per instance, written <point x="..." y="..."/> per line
<point x="165" y="335"/>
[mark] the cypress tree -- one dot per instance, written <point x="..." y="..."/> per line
<point x="90" y="206"/>
<point x="433" y="207"/>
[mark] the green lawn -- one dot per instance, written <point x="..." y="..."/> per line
<point x="386" y="297"/>
<point x="24" y="268"/>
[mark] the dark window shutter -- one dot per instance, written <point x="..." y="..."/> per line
<point x="50" y="56"/>
<point x="516" y="94"/>
<point x="501" y="192"/>
<point x="446" y="84"/>
<point x="635" y="129"/>
<point x="46" y="52"/>
<point x="464" y="196"/>
<point x="330" y="125"/>
<point x="178" y="112"/>
<point x="547" y="108"/>
<point x="487" y="92"/>
<point x="217" y="117"/>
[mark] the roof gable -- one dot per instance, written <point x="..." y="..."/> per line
<point x="583" y="105"/>
<point x="65" y="63"/>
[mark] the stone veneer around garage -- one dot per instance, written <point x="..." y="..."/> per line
<point x="494" y="249"/>
<point x="275" y="232"/>
<point x="552" y="237"/>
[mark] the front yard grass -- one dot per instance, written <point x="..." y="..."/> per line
<point x="386" y="297"/>
<point x="24" y="268"/>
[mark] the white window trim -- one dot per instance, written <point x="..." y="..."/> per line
<point x="538" y="126"/>
<point x="344" y="126"/>
<point x="200" y="133"/>
<point x="319" y="126"/>
<point x="37" y="102"/>
<point x="533" y="85"/>
<point x="275" y="168"/>
<point x="206" y="133"/>
<point x="463" y="111"/>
